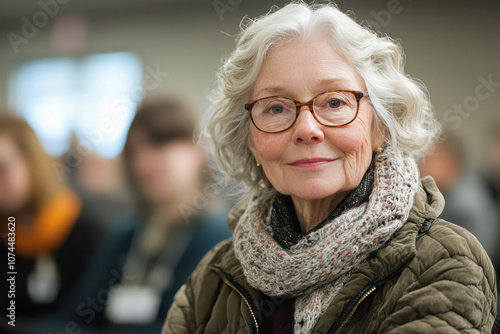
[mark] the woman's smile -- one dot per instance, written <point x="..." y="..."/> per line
<point x="310" y="163"/>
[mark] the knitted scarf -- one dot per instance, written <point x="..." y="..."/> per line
<point x="285" y="225"/>
<point x="315" y="269"/>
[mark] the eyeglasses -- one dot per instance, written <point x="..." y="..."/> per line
<point x="334" y="108"/>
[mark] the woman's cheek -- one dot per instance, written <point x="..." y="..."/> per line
<point x="358" y="153"/>
<point x="271" y="147"/>
<point x="349" y="140"/>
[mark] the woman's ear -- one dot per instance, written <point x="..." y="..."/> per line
<point x="378" y="135"/>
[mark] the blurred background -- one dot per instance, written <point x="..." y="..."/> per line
<point x="449" y="45"/>
<point x="77" y="72"/>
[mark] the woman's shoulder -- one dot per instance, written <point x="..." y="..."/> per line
<point x="451" y="252"/>
<point x="221" y="255"/>
<point x="450" y="277"/>
<point x="204" y="281"/>
<point x="443" y="240"/>
<point x="450" y="240"/>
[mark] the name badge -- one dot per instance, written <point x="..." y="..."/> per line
<point x="133" y="305"/>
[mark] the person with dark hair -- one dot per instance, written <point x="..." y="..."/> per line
<point x="492" y="176"/>
<point x="491" y="179"/>
<point x="180" y="216"/>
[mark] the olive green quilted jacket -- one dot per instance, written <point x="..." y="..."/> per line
<point x="431" y="277"/>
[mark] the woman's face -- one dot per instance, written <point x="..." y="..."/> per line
<point x="15" y="177"/>
<point x="311" y="161"/>
<point x="166" y="171"/>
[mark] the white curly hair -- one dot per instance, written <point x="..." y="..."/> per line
<point x="403" y="112"/>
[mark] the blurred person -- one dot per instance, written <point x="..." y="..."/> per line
<point x="492" y="176"/>
<point x="337" y="233"/>
<point x="55" y="235"/>
<point x="468" y="202"/>
<point x="179" y="221"/>
<point x="492" y="181"/>
<point x="93" y="175"/>
<point x="100" y="182"/>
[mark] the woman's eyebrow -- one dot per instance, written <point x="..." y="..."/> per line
<point x="336" y="82"/>
<point x="270" y="91"/>
<point x="326" y="84"/>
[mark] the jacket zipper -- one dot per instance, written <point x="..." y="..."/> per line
<point x="228" y="282"/>
<point x="370" y="287"/>
<point x="353" y="305"/>
<point x="351" y="314"/>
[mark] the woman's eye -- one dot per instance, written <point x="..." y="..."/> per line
<point x="334" y="104"/>
<point x="276" y="110"/>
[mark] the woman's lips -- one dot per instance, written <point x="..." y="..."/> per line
<point x="311" y="162"/>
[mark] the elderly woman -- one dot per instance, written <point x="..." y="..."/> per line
<point x="337" y="233"/>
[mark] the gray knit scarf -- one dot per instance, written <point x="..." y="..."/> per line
<point x="315" y="269"/>
<point x="285" y="225"/>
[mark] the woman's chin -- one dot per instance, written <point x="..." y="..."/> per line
<point x="314" y="191"/>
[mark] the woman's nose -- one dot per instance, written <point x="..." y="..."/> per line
<point x="307" y="129"/>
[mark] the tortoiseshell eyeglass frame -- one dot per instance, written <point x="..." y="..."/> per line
<point x="357" y="94"/>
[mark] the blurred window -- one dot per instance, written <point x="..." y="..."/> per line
<point x="94" y="97"/>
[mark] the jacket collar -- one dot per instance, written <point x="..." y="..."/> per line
<point x="428" y="204"/>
